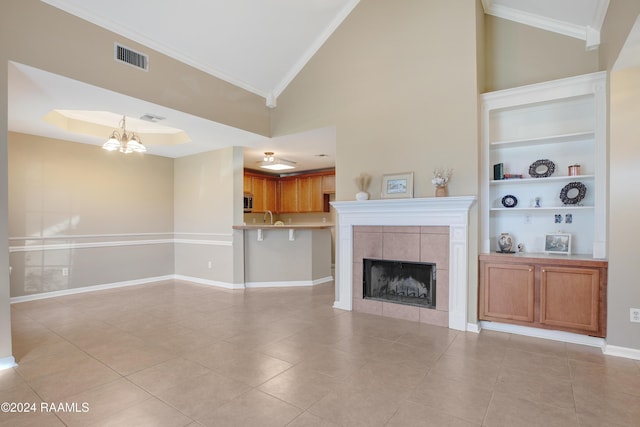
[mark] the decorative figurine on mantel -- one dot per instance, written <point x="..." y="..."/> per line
<point x="362" y="182"/>
<point x="440" y="180"/>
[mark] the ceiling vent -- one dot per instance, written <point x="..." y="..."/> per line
<point x="131" y="57"/>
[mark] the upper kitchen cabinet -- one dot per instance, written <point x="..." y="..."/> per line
<point x="543" y="165"/>
<point x="310" y="195"/>
<point x="303" y="193"/>
<point x="264" y="191"/>
<point x="288" y="201"/>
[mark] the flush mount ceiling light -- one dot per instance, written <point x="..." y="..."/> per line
<point x="123" y="141"/>
<point x="271" y="162"/>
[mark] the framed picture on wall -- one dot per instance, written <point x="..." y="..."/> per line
<point x="397" y="185"/>
<point x="557" y="243"/>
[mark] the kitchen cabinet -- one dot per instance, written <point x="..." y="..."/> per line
<point x="246" y="187"/>
<point x="310" y="195"/>
<point x="288" y="195"/>
<point x="264" y="191"/>
<point x="301" y="193"/>
<point x="567" y="294"/>
<point x="328" y="184"/>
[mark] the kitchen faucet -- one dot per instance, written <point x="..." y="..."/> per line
<point x="264" y="218"/>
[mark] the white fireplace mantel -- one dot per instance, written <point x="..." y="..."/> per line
<point x="437" y="211"/>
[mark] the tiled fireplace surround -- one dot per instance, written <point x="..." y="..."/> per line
<point x="427" y="229"/>
<point x="403" y="243"/>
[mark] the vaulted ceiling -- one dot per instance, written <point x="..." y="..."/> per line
<point x="259" y="45"/>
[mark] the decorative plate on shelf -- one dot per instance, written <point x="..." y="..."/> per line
<point x="573" y="193"/>
<point x="509" y="201"/>
<point x="542" y="168"/>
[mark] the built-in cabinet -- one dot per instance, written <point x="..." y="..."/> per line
<point x="534" y="134"/>
<point x="543" y="169"/>
<point x="291" y="194"/>
<point x="550" y="293"/>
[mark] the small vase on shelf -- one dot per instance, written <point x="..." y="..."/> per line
<point x="441" y="191"/>
<point x="362" y="195"/>
<point x="440" y="180"/>
<point x="505" y="243"/>
<point x="363" y="182"/>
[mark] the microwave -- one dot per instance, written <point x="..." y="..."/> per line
<point x="248" y="202"/>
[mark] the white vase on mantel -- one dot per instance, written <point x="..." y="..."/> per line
<point x="362" y="195"/>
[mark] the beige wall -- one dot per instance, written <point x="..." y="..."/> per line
<point x="36" y="34"/>
<point x="39" y="35"/>
<point x="109" y="216"/>
<point x="5" y="313"/>
<point x="518" y="54"/>
<point x="403" y="97"/>
<point x="207" y="204"/>
<point x="621" y="15"/>
<point x="624" y="231"/>
<point x="398" y="80"/>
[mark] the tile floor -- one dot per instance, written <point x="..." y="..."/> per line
<point x="179" y="354"/>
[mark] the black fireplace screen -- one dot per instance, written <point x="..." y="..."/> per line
<point x="402" y="282"/>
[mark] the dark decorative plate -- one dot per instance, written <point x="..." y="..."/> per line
<point x="573" y="193"/>
<point x="542" y="168"/>
<point x="509" y="201"/>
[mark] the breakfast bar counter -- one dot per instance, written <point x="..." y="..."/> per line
<point x="286" y="255"/>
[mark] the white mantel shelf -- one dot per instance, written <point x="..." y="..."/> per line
<point x="433" y="211"/>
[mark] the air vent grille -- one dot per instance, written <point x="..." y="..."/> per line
<point x="131" y="57"/>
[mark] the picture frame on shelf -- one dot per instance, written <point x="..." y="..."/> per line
<point x="557" y="243"/>
<point x="397" y="185"/>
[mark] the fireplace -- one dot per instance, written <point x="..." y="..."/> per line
<point x="401" y="282"/>
<point x="450" y="213"/>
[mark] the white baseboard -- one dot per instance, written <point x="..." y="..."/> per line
<point x="473" y="327"/>
<point x="208" y="282"/>
<point x="292" y="283"/>
<point x="225" y="285"/>
<point x="614" y="350"/>
<point x="93" y="288"/>
<point x="544" y="333"/>
<point x="7" y="362"/>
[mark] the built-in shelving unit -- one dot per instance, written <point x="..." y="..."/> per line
<point x="563" y="121"/>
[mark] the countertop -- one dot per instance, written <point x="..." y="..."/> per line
<point x="284" y="227"/>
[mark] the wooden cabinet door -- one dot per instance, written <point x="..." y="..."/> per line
<point x="288" y="195"/>
<point x="569" y="297"/>
<point x="258" y="190"/>
<point x="329" y="184"/>
<point x="507" y="292"/>
<point x="304" y="194"/>
<point x="317" y="195"/>
<point x="271" y="195"/>
<point x="310" y="195"/>
<point x="246" y="184"/>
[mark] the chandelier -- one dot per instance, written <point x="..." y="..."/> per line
<point x="123" y="141"/>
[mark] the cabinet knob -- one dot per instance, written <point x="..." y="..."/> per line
<point x="544" y="271"/>
<point x="531" y="269"/>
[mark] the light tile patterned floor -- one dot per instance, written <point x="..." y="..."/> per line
<point x="178" y="354"/>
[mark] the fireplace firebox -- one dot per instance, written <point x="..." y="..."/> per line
<point x="402" y="282"/>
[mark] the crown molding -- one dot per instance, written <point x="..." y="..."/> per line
<point x="589" y="33"/>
